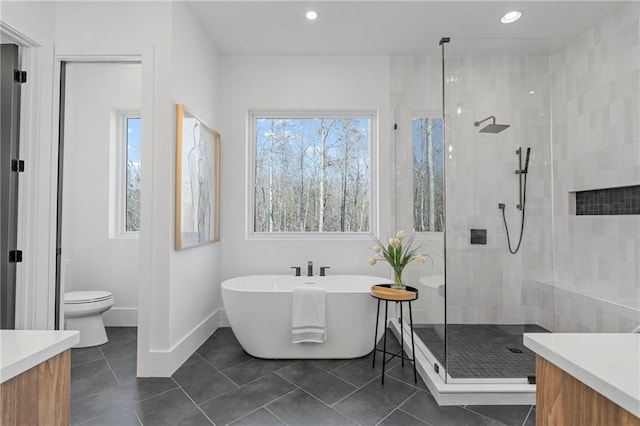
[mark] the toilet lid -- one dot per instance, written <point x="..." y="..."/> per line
<point x="86" y="296"/>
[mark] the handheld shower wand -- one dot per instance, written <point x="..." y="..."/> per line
<point x="521" y="172"/>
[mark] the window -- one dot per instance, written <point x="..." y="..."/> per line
<point x="311" y="173"/>
<point x="124" y="175"/>
<point x="428" y="174"/>
<point x="132" y="189"/>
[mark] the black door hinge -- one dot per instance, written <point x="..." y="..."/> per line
<point x="20" y="76"/>
<point x="395" y="126"/>
<point x="15" y="256"/>
<point x="17" y="166"/>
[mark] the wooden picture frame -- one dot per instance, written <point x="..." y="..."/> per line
<point x="197" y="181"/>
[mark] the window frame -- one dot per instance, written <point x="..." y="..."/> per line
<point x="119" y="159"/>
<point x="252" y="116"/>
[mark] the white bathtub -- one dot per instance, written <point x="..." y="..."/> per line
<point x="258" y="308"/>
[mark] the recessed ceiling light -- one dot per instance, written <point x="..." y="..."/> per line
<point x="510" y="17"/>
<point x="531" y="92"/>
<point x="312" y="15"/>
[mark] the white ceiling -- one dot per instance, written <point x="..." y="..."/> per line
<point x="389" y="27"/>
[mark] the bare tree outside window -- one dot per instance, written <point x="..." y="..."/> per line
<point x="312" y="174"/>
<point x="428" y="174"/>
<point x="132" y="196"/>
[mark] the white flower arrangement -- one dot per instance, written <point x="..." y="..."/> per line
<point x="398" y="253"/>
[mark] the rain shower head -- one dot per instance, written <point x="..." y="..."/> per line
<point x="491" y="128"/>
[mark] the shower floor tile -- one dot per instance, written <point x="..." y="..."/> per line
<point x="481" y="350"/>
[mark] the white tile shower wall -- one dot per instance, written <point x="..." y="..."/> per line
<point x="596" y="124"/>
<point x="486" y="284"/>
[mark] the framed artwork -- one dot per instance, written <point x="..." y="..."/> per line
<point x="197" y="181"/>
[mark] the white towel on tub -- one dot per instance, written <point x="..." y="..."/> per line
<point x="308" y="315"/>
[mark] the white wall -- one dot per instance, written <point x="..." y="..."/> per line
<point x="596" y="122"/>
<point x="95" y="94"/>
<point x="294" y="83"/>
<point x="195" y="273"/>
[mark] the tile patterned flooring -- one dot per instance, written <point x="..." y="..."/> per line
<point x="482" y="350"/>
<point x="220" y="384"/>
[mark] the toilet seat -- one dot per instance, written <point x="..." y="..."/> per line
<point x="79" y="297"/>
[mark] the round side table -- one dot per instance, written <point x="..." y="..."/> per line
<point x="384" y="292"/>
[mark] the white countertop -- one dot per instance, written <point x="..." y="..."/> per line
<point x="606" y="362"/>
<point x="21" y="350"/>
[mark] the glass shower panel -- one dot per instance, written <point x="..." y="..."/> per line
<point x="497" y="172"/>
<point x="419" y="194"/>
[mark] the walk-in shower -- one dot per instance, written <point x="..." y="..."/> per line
<point x="477" y="299"/>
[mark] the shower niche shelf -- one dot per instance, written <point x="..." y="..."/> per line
<point x="606" y="202"/>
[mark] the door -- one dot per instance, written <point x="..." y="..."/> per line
<point x="10" y="167"/>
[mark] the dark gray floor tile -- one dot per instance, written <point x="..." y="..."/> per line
<point x="119" y="334"/>
<point x="193" y="358"/>
<point x="126" y="372"/>
<point x="235" y="404"/>
<point x="201" y="381"/>
<point x="260" y="417"/>
<point x="328" y="364"/>
<point x="393" y="345"/>
<point x="120" y="353"/>
<point x="118" y="398"/>
<point x="81" y="356"/>
<point x="511" y="415"/>
<point x="120" y="417"/>
<point x="359" y="371"/>
<point x="324" y="386"/>
<point x="405" y="374"/>
<point x="298" y="408"/>
<point x="482" y="350"/>
<point x="226" y="333"/>
<point x="253" y="369"/>
<point x="91" y="378"/>
<point x="400" y="418"/>
<point x="222" y="354"/>
<point x="531" y="420"/>
<point x="170" y="408"/>
<point x="375" y="401"/>
<point x="423" y="406"/>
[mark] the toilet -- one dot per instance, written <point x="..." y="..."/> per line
<point x="83" y="312"/>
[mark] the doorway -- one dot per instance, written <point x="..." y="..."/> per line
<point x="99" y="177"/>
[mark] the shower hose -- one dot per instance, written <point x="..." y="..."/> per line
<point x="506" y="227"/>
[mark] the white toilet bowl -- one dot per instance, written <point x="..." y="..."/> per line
<point x="83" y="312"/>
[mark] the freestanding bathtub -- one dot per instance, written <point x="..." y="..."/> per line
<point x="258" y="308"/>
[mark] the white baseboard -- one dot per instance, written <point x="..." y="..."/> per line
<point x="165" y="363"/>
<point x="121" y="317"/>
